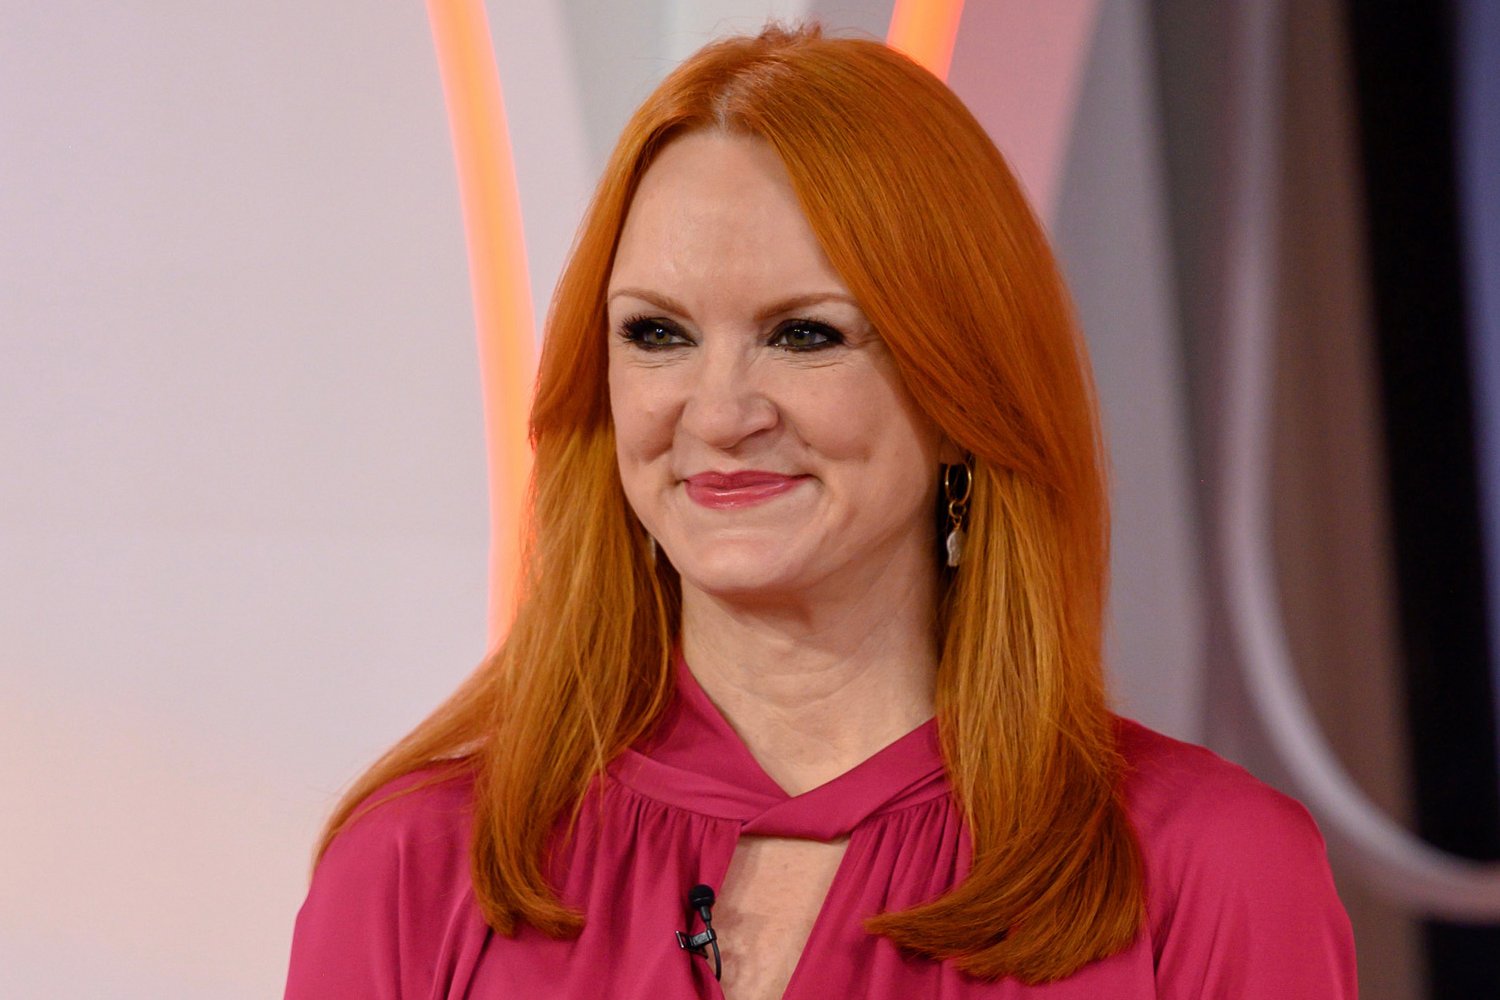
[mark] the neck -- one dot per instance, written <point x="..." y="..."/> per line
<point x="816" y="687"/>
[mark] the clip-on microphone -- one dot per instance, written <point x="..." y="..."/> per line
<point x="701" y="899"/>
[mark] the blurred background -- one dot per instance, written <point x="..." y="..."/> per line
<point x="244" y="523"/>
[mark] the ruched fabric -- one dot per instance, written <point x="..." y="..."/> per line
<point x="1240" y="902"/>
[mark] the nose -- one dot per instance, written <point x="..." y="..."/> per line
<point x="725" y="404"/>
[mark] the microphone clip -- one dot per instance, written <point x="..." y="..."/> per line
<point x="701" y="901"/>
<point x="698" y="941"/>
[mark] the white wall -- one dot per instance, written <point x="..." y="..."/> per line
<point x="242" y="518"/>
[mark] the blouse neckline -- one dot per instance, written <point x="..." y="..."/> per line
<point x="695" y="761"/>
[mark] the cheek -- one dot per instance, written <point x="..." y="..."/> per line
<point x="642" y="429"/>
<point x="869" y="418"/>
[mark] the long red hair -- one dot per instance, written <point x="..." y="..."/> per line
<point x="921" y="217"/>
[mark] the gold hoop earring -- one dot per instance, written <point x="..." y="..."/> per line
<point x="958" y="483"/>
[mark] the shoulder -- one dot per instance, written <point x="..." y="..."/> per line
<point x="390" y="889"/>
<point x="1238" y="888"/>
<point x="1189" y="804"/>
<point x="424" y="814"/>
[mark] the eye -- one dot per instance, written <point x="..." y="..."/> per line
<point x="805" y="335"/>
<point x="652" y="333"/>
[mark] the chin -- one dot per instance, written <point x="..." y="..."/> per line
<point x="737" y="571"/>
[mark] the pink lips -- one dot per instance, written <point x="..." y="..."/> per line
<point x="728" y="490"/>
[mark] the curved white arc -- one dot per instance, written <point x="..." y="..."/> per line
<point x="1395" y="862"/>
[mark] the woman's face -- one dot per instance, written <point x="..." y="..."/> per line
<point x="764" y="437"/>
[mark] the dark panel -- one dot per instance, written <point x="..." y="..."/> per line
<point x="1404" y="58"/>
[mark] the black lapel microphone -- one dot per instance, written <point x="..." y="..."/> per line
<point x="701" y="901"/>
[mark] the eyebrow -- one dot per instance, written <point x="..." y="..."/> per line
<point x="781" y="306"/>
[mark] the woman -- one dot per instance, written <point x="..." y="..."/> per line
<point x="812" y="616"/>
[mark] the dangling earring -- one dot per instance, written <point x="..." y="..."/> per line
<point x="651" y="549"/>
<point x="956" y="488"/>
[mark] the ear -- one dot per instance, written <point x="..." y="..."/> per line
<point x="949" y="453"/>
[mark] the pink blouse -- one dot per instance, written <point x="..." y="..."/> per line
<point x="1240" y="903"/>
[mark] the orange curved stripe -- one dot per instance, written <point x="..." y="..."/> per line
<point x="497" y="277"/>
<point x="925" y="30"/>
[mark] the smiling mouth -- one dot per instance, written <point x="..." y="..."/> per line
<point x="729" y="490"/>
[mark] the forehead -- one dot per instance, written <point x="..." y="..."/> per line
<point x="720" y="209"/>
